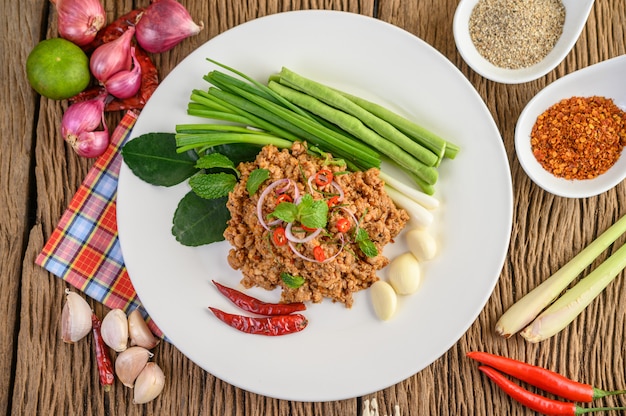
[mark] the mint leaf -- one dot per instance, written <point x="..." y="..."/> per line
<point x="256" y="178"/>
<point x="286" y="211"/>
<point x="366" y="245"/>
<point x="216" y="160"/>
<point x="152" y="157"/>
<point x="199" y="221"/>
<point x="212" y="185"/>
<point x="291" y="281"/>
<point x="313" y="214"/>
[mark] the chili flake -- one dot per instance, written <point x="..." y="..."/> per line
<point x="579" y="137"/>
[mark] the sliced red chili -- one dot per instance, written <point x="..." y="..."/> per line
<point x="308" y="229"/>
<point x="278" y="236"/>
<point x="333" y="201"/>
<point x="254" y="305"/>
<point x="269" y="325"/>
<point x="323" y="177"/>
<point x="318" y="253"/>
<point x="283" y="198"/>
<point x="343" y="225"/>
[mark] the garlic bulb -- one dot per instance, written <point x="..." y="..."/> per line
<point x="115" y="330"/>
<point x="129" y="363"/>
<point x="75" y="318"/>
<point x="149" y="383"/>
<point x="139" y="332"/>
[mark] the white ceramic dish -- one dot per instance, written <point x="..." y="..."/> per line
<point x="603" y="79"/>
<point x="577" y="12"/>
<point x="342" y="353"/>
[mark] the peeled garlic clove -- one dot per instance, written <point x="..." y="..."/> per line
<point x="115" y="330"/>
<point x="75" y="318"/>
<point x="129" y="363"/>
<point x="422" y="244"/>
<point x="149" y="383"/>
<point x="384" y="299"/>
<point x="140" y="333"/>
<point x="405" y="274"/>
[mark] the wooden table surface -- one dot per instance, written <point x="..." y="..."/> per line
<point x="40" y="375"/>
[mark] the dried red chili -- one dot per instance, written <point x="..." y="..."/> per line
<point x="103" y="357"/>
<point x="269" y="325"/>
<point x="251" y="304"/>
<point x="579" y="137"/>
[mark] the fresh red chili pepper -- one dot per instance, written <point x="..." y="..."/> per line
<point x="103" y="357"/>
<point x="536" y="402"/>
<point x="323" y="177"/>
<point x="343" y="225"/>
<point x="268" y="325"/>
<point x="318" y="253"/>
<point x="254" y="305"/>
<point x="542" y="378"/>
<point x="333" y="201"/>
<point x="278" y="236"/>
<point x="309" y="229"/>
<point x="283" y="198"/>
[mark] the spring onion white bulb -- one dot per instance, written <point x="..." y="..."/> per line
<point x="419" y="215"/>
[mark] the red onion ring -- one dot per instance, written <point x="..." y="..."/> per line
<point x="291" y="237"/>
<point x="259" y="205"/>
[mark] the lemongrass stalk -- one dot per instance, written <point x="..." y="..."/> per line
<point x="427" y="201"/>
<point x="566" y="308"/>
<point x="420" y="216"/>
<point x="527" y="308"/>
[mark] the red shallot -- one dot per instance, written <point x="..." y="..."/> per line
<point x="164" y="24"/>
<point x="125" y="83"/>
<point x="112" y="57"/>
<point x="80" y="20"/>
<point x="79" y="123"/>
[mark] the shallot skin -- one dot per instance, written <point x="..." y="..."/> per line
<point x="163" y="25"/>
<point x="80" y="20"/>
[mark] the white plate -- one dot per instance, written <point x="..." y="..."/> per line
<point x="342" y="353"/>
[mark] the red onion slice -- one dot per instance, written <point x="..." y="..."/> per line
<point x="291" y="237"/>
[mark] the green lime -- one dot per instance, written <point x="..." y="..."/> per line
<point x="58" y="69"/>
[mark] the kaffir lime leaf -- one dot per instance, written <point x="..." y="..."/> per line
<point x="57" y="69"/>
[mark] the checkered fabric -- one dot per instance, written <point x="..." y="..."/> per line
<point x="84" y="249"/>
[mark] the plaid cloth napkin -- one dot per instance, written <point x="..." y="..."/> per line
<point x="84" y="249"/>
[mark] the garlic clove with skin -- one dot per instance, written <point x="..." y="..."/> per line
<point x="140" y="333"/>
<point x="129" y="363"/>
<point x="149" y="384"/>
<point x="115" y="330"/>
<point x="75" y="318"/>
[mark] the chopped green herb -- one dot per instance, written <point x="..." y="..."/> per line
<point x="291" y="281"/>
<point x="256" y="178"/>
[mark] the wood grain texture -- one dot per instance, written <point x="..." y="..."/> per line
<point x="39" y="375"/>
